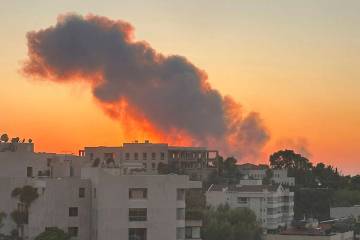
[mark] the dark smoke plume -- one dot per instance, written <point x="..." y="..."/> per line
<point x="169" y="91"/>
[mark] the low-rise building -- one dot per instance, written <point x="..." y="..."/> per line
<point x="273" y="205"/>
<point x="197" y="162"/>
<point x="279" y="176"/>
<point x="345" y="212"/>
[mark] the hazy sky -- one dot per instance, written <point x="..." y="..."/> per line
<point x="295" y="62"/>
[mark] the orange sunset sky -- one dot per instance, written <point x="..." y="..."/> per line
<point x="297" y="63"/>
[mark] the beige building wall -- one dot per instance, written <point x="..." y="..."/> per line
<point x="111" y="204"/>
<point x="269" y="206"/>
<point x="51" y="208"/>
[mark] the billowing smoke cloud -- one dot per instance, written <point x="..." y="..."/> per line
<point x="129" y="78"/>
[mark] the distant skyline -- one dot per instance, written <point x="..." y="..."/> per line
<point x="296" y="63"/>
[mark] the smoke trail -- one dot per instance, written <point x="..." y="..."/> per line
<point x="129" y="78"/>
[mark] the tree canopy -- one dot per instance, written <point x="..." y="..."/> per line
<point x="230" y="224"/>
<point x="4" y="138"/>
<point x="317" y="186"/>
<point x="53" y="234"/>
<point x="2" y="217"/>
<point x="26" y="194"/>
<point x="227" y="172"/>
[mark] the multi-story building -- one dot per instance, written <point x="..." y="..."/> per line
<point x="280" y="176"/>
<point x="273" y="205"/>
<point x="22" y="161"/>
<point x="95" y="203"/>
<point x="137" y="206"/>
<point x="197" y="162"/>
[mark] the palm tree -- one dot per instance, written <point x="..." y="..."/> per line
<point x="25" y="195"/>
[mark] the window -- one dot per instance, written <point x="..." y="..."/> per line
<point x="180" y="233"/>
<point x="162" y="156"/>
<point x="192" y="232"/>
<point x="144" y="155"/>
<point x="153" y="166"/>
<point x="136" y="156"/>
<point x="81" y="192"/>
<point x="181" y="194"/>
<point x="180" y="213"/>
<point x="73" y="211"/>
<point x="73" y="231"/>
<point x="127" y="156"/>
<point x="109" y="156"/>
<point x="71" y="171"/>
<point x="145" y="165"/>
<point x="48" y="162"/>
<point x="137" y="214"/>
<point x="242" y="200"/>
<point x="94" y="192"/>
<point x="29" y="171"/>
<point x="137" y="193"/>
<point x="137" y="233"/>
<point x="153" y="156"/>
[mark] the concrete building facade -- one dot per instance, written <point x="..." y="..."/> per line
<point x="280" y="176"/>
<point x="273" y="205"/>
<point x="97" y="203"/>
<point x="197" y="162"/>
<point x="345" y="212"/>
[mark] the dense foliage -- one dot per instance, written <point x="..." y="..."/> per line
<point x="230" y="224"/>
<point x="227" y="172"/>
<point x="317" y="186"/>
<point x="53" y="234"/>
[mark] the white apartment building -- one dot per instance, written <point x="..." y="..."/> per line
<point x="273" y="205"/>
<point x="96" y="203"/>
<point x="280" y="176"/>
<point x="198" y="162"/>
<point x="138" y="207"/>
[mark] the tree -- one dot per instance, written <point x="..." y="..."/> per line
<point x="15" y="140"/>
<point x="25" y="195"/>
<point x="2" y="217"/>
<point x="228" y="172"/>
<point x="290" y="160"/>
<point x="268" y="176"/>
<point x="312" y="203"/>
<point x="230" y="224"/>
<point x="53" y="234"/>
<point x="297" y="165"/>
<point x="345" y="198"/>
<point x="4" y="138"/>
